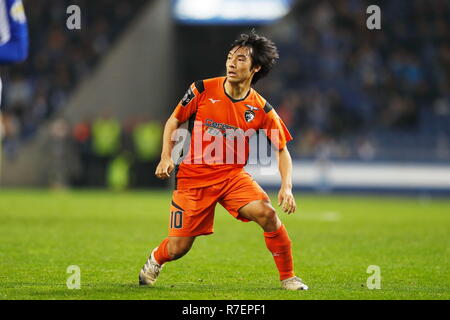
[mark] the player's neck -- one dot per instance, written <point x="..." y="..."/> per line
<point x="237" y="90"/>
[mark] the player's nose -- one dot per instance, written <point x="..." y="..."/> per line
<point x="232" y="64"/>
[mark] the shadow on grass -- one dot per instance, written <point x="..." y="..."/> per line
<point x="180" y="291"/>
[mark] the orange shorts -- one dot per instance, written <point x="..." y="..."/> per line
<point x="192" y="209"/>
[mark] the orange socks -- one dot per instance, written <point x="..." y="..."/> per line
<point x="162" y="255"/>
<point x="279" y="244"/>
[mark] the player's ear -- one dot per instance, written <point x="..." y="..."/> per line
<point x="256" y="68"/>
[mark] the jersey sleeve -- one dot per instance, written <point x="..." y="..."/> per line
<point x="275" y="129"/>
<point x="188" y="104"/>
<point x="13" y="32"/>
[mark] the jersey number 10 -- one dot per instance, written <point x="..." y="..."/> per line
<point x="176" y="219"/>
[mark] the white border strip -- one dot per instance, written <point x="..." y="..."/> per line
<point x="363" y="175"/>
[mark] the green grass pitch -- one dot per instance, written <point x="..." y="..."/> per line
<point x="109" y="236"/>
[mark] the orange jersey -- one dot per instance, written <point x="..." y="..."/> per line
<point x="220" y="128"/>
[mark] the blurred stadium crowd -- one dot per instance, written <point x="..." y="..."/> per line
<point x="104" y="152"/>
<point x="354" y="93"/>
<point x="58" y="60"/>
<point x="346" y="92"/>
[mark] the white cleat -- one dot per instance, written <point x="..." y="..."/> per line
<point x="150" y="271"/>
<point x="294" y="283"/>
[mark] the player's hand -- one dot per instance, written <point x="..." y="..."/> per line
<point x="164" y="168"/>
<point x="286" y="200"/>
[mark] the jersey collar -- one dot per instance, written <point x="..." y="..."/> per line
<point x="231" y="98"/>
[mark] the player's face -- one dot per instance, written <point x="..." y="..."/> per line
<point x="239" y="65"/>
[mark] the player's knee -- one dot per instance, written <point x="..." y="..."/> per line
<point x="268" y="214"/>
<point x="178" y="249"/>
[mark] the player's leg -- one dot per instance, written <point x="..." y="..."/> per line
<point x="171" y="248"/>
<point x="191" y="215"/>
<point x="247" y="201"/>
<point x="275" y="234"/>
<point x="261" y="212"/>
<point x="277" y="241"/>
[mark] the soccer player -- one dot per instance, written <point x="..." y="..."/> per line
<point x="225" y="109"/>
<point x="13" y="39"/>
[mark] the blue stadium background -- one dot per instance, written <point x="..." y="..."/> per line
<point x="346" y="93"/>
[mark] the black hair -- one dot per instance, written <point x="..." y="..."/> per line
<point x="263" y="52"/>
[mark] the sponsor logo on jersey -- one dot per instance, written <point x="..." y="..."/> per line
<point x="188" y="96"/>
<point x="213" y="101"/>
<point x="222" y="129"/>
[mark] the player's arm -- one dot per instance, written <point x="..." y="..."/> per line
<point x="279" y="135"/>
<point x="166" y="165"/>
<point x="285" y="196"/>
<point x="185" y="108"/>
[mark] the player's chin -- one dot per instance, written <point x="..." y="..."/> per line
<point x="233" y="79"/>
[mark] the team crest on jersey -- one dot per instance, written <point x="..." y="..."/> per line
<point x="188" y="96"/>
<point x="250" y="114"/>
